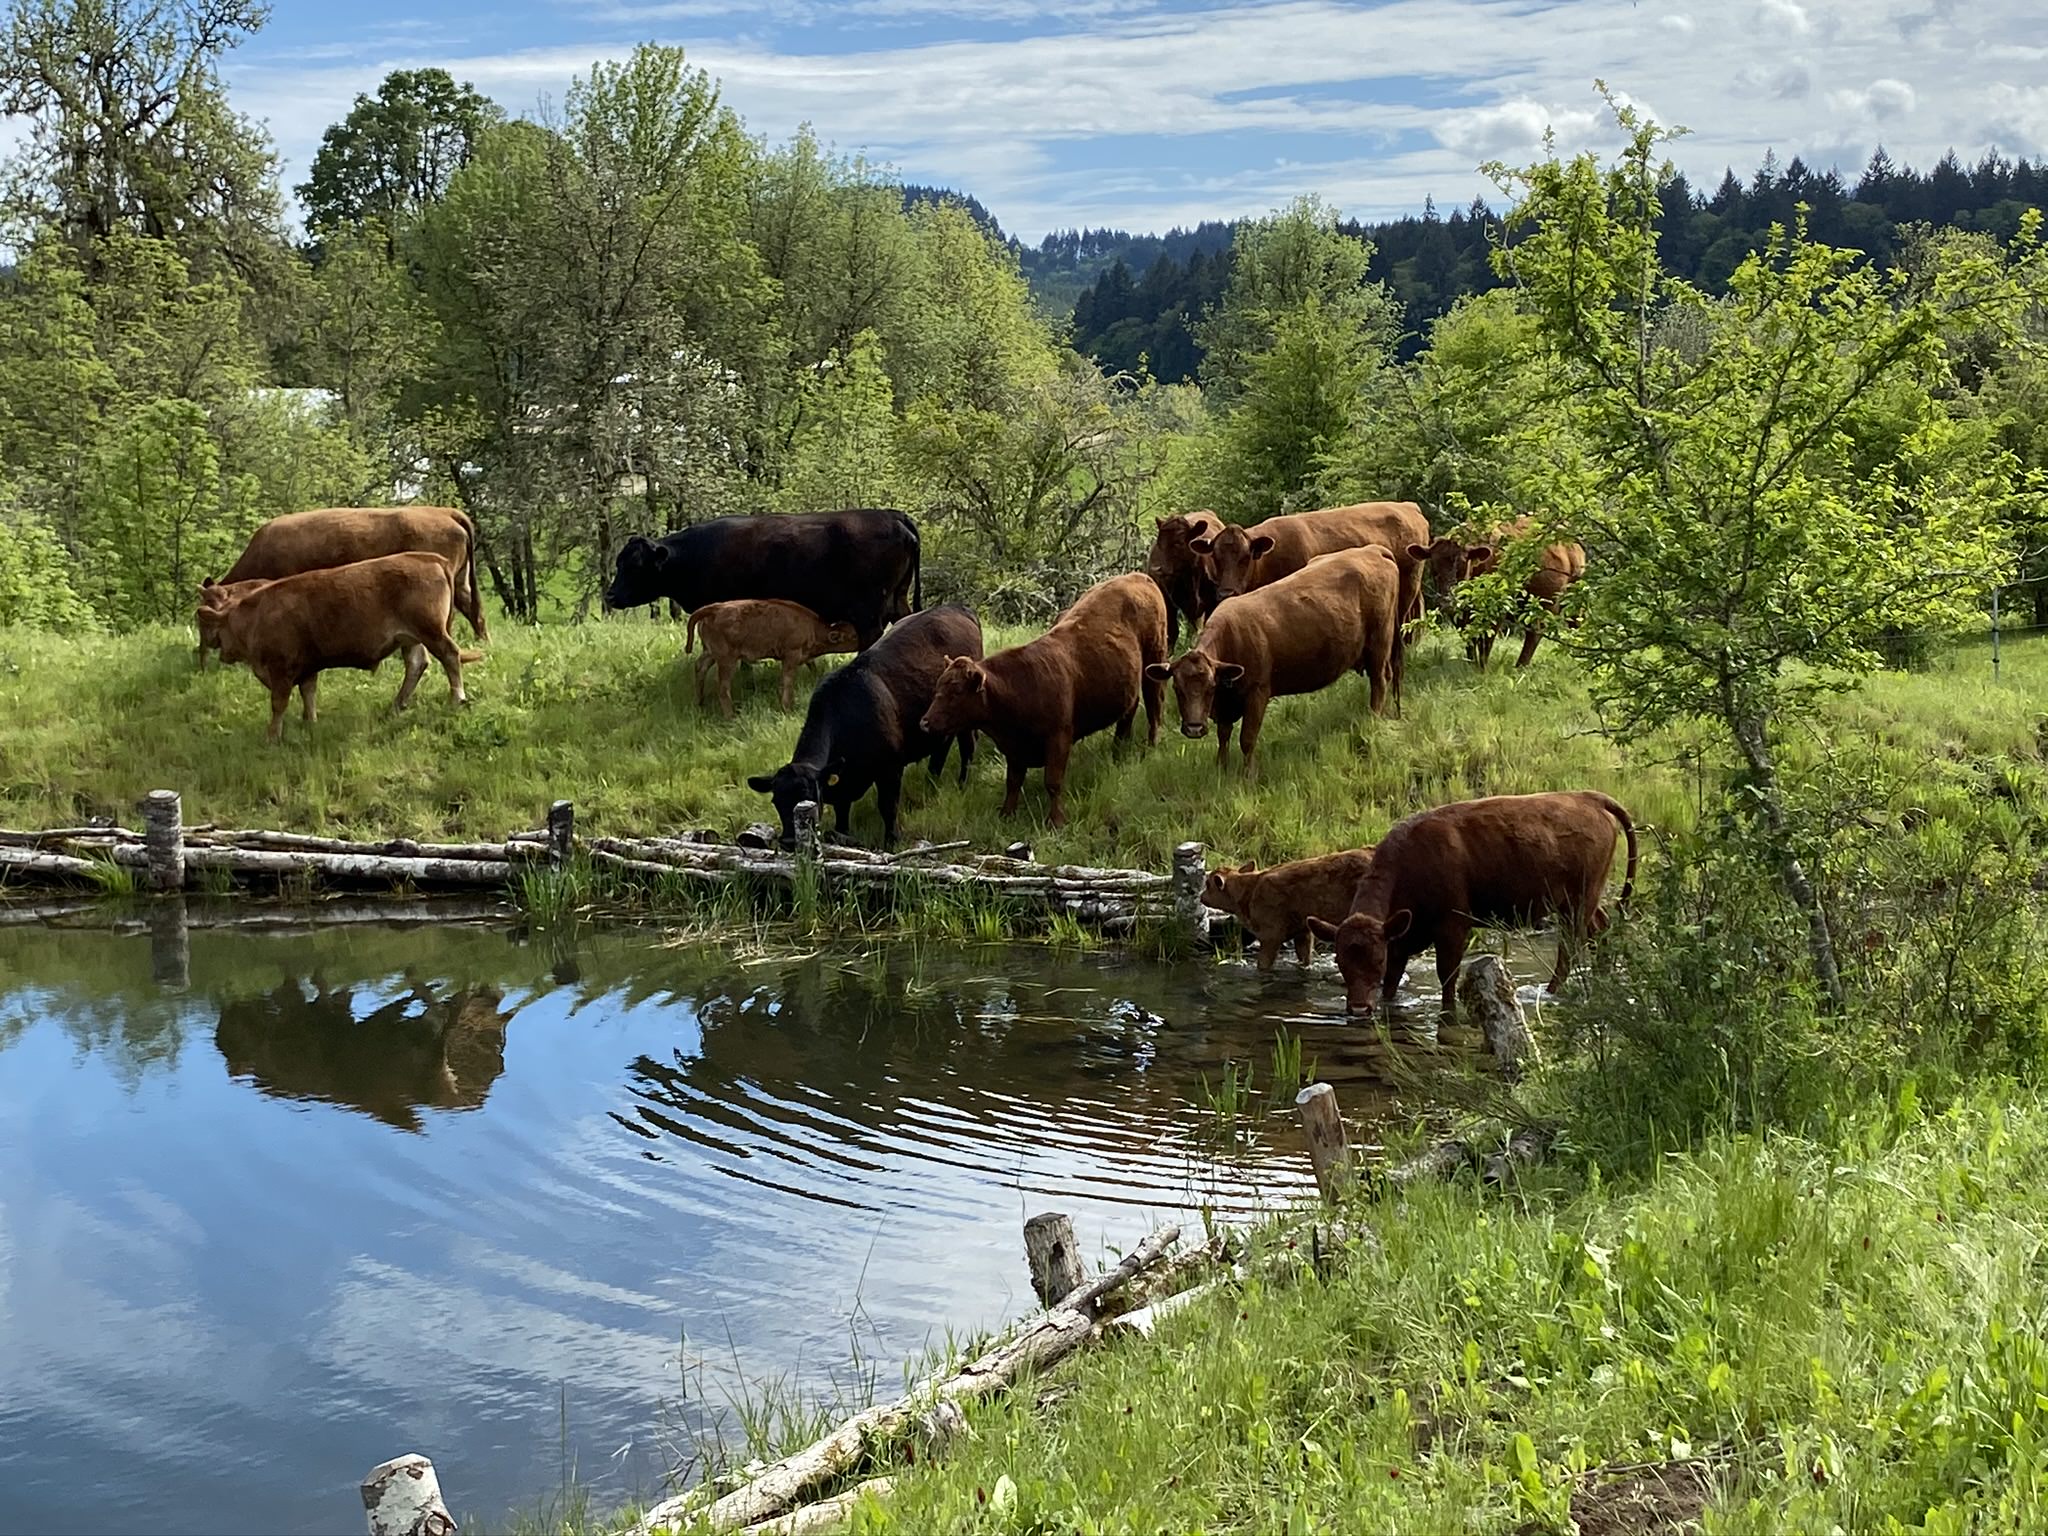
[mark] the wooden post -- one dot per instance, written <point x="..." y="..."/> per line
<point x="804" y="821"/>
<point x="561" y="833"/>
<point x="1189" y="875"/>
<point x="170" y="945"/>
<point x="403" y="1498"/>
<point x="163" y="839"/>
<point x="1323" y="1128"/>
<point x="1054" y="1256"/>
<point x="1486" y="999"/>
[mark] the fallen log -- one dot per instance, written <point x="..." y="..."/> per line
<point x="1525" y="1149"/>
<point x="1441" y="1161"/>
<point x="399" y="847"/>
<point x="826" y="1515"/>
<point x="9" y="837"/>
<point x="338" y="866"/>
<point x="28" y="861"/>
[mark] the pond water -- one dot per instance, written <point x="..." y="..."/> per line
<point x="293" y="1200"/>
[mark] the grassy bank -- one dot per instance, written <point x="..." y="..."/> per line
<point x="1795" y="1336"/>
<point x="605" y="715"/>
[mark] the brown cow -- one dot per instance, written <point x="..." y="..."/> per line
<point x="1508" y="861"/>
<point x="1183" y="575"/>
<point x="1244" y="559"/>
<point x="1085" y="674"/>
<point x="330" y="536"/>
<point x="1274" y="905"/>
<point x="1452" y="562"/>
<point x="761" y="629"/>
<point x="1296" y="635"/>
<point x="291" y="630"/>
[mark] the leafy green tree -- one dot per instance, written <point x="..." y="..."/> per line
<point x="395" y="152"/>
<point x="843" y="448"/>
<point x="1742" y="556"/>
<point x="35" y="574"/>
<point x="129" y="129"/>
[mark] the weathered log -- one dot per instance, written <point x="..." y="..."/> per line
<point x="163" y="835"/>
<point x="1442" y="1161"/>
<point x="1323" y="1129"/>
<point x="18" y="839"/>
<point x="1525" y="1148"/>
<point x="29" y="861"/>
<point x="657" y="869"/>
<point x="1143" y="1320"/>
<point x="1053" y="1255"/>
<point x="397" y="847"/>
<point x="827" y="1514"/>
<point x="1486" y="1000"/>
<point x="350" y="866"/>
<point x="1037" y="1344"/>
<point x="403" y="1498"/>
<point x="758" y="834"/>
<point x="561" y="833"/>
<point x="926" y="850"/>
<point x="1021" y="852"/>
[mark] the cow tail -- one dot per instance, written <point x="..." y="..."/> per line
<point x="1620" y="813"/>
<point x="916" y="566"/>
<point x="476" y="597"/>
<point x="690" y="638"/>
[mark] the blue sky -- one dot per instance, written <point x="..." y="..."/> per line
<point x="1145" y="113"/>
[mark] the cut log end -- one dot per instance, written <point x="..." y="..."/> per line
<point x="1053" y="1255"/>
<point x="402" y="1497"/>
<point x="1322" y="1127"/>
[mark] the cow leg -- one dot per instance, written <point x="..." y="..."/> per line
<point x="1376" y="684"/>
<point x="1248" y="732"/>
<point x="1155" y="707"/>
<point x="1013" y="786"/>
<point x="936" y="763"/>
<point x="1451" y="940"/>
<point x="726" y="667"/>
<point x="1056" y="753"/>
<point x="415" y="669"/>
<point x="1223" y="729"/>
<point x="789" y="666"/>
<point x="280" y="701"/>
<point x="704" y="666"/>
<point x="1269" y="949"/>
<point x="309" y="698"/>
<point x="1529" y="641"/>
<point x="1123" y="726"/>
<point x="888" y="794"/>
<point x="966" y="753"/>
<point x="449" y="654"/>
<point x="1304" y="947"/>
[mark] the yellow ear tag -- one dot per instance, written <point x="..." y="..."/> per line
<point x="831" y="779"/>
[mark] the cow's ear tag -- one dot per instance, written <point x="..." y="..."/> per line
<point x="831" y="779"/>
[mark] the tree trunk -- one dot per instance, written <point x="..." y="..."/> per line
<point x="1752" y="734"/>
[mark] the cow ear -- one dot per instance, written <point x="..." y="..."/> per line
<point x="1248" y="867"/>
<point x="1418" y="551"/>
<point x="762" y="784"/>
<point x="1261" y="544"/>
<point x="1229" y="673"/>
<point x="1159" y="672"/>
<point x="1322" y="928"/>
<point x="1203" y="545"/>
<point x="661" y="553"/>
<point x="1159" y="524"/>
<point x="208" y="581"/>
<point x="1399" y="923"/>
<point x="1479" y="552"/>
<point x="1214" y="883"/>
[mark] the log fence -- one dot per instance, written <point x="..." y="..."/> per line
<point x="167" y="856"/>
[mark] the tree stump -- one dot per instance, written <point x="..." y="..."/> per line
<point x="403" y="1498"/>
<point x="163" y="839"/>
<point x="1054" y="1256"/>
<point x="1189" y="875"/>
<point x="1323" y="1128"/>
<point x="756" y="834"/>
<point x="804" y="821"/>
<point x="561" y="833"/>
<point x="1019" y="851"/>
<point x="1486" y="1000"/>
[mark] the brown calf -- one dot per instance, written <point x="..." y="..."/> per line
<point x="1244" y="559"/>
<point x="330" y="536"/>
<point x="291" y="630"/>
<point x="1451" y="563"/>
<point x="1508" y="861"/>
<point x="761" y="629"/>
<point x="1296" y="635"/>
<point x="1088" y="672"/>
<point x="1182" y="574"/>
<point x="1275" y="905"/>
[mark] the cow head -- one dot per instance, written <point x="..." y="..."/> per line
<point x="835" y="638"/>
<point x="1227" y="890"/>
<point x="1172" y="561"/>
<point x="640" y="575"/>
<point x="1451" y="563"/>
<point x="1361" y="945"/>
<point x="219" y="628"/>
<point x="960" y="702"/>
<point x="789" y="786"/>
<point x="1232" y="555"/>
<point x="1197" y="678"/>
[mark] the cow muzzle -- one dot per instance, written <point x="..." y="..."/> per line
<point x="1195" y="731"/>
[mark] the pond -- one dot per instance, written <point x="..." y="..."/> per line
<point x="280" y="1202"/>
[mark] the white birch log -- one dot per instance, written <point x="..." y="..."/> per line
<point x="350" y="866"/>
<point x="403" y="1498"/>
<point x="827" y="1514"/>
<point x="163" y="835"/>
<point x="19" y="839"/>
<point x="30" y="861"/>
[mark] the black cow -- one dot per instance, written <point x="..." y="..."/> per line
<point x="862" y="729"/>
<point x="861" y="568"/>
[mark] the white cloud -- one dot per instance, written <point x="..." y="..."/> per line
<point x="1408" y="95"/>
<point x="1880" y="101"/>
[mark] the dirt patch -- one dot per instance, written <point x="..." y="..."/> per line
<point x="1637" y="1500"/>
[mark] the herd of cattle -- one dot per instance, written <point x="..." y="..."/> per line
<point x="1287" y="606"/>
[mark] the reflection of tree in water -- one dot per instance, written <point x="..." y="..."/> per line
<point x="415" y="1051"/>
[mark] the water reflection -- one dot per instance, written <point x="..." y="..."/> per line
<point x="311" y="1041"/>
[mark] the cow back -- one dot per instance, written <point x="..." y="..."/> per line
<point x="328" y="537"/>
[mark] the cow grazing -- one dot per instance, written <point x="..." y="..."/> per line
<point x="761" y="629"/>
<point x="1451" y="563"/>
<point x="861" y="568"/>
<point x="1183" y="576"/>
<point x="863" y="725"/>
<point x="332" y="536"/>
<point x="1274" y="905"/>
<point x="291" y="630"/>
<point x="1244" y="559"/>
<point x="1085" y="674"/>
<point x="1299" y="634"/>
<point x="1508" y="861"/>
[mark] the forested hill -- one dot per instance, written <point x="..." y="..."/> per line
<point x="1150" y="290"/>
